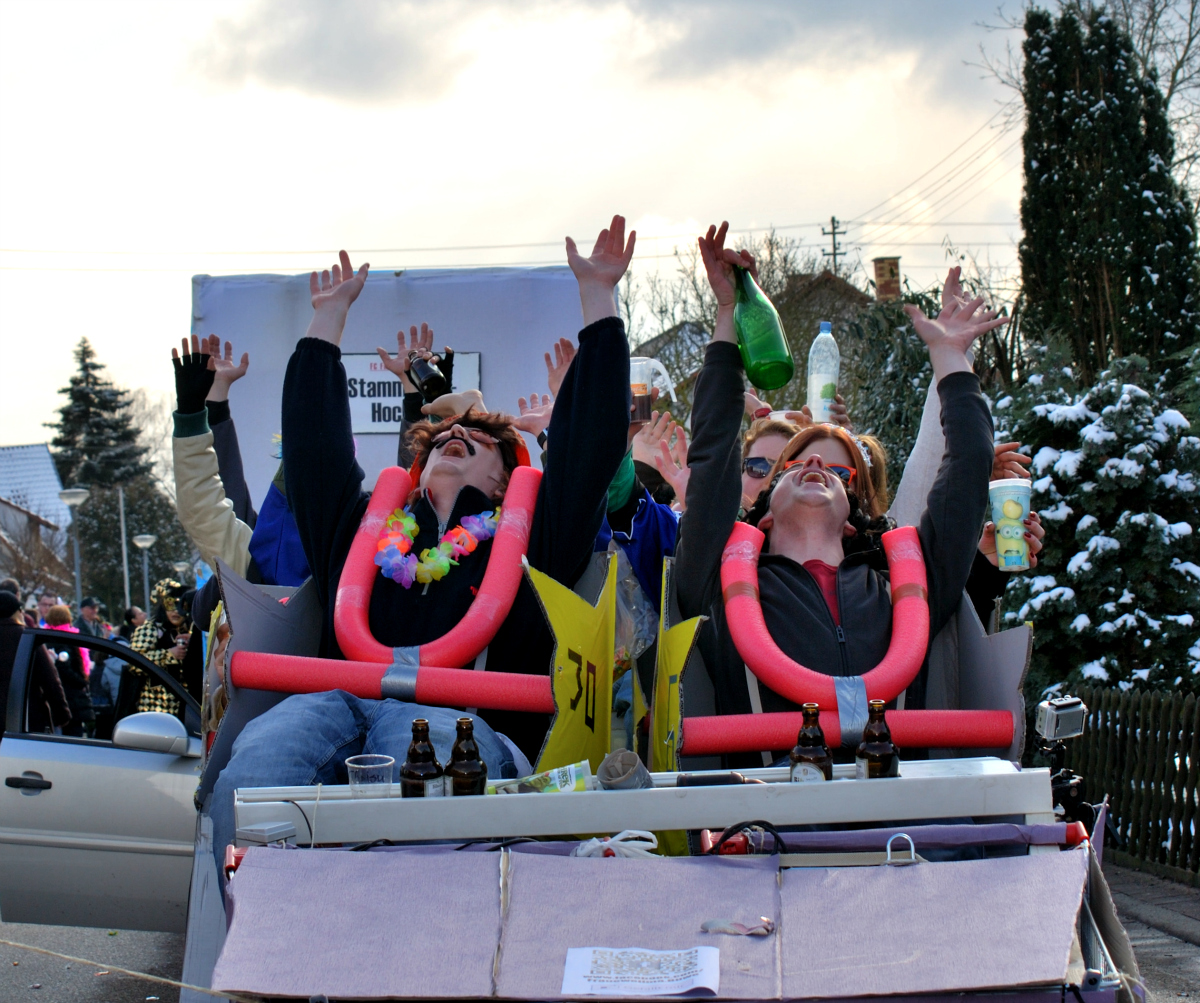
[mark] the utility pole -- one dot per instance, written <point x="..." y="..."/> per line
<point x="835" y="248"/>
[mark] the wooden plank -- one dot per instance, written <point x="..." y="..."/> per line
<point x="1172" y="705"/>
<point x="1178" y="854"/>
<point x="1192" y="861"/>
<point x="341" y="820"/>
<point x="1155" y="767"/>
<point x="1126" y="746"/>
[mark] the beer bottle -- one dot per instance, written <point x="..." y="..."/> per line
<point x="766" y="355"/>
<point x="466" y="773"/>
<point x="811" y="758"/>
<point x="427" y="377"/>
<point x="421" y="774"/>
<point x="877" y="755"/>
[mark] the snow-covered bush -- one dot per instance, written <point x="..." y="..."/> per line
<point x="1116" y="477"/>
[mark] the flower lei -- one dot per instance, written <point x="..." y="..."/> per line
<point x="396" y="561"/>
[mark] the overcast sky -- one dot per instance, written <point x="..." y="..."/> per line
<point x="148" y="142"/>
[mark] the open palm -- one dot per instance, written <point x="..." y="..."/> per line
<point x="960" y="321"/>
<point x="609" y="258"/>
<point x="339" y="289"/>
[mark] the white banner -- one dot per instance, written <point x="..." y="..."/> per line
<point x="377" y="396"/>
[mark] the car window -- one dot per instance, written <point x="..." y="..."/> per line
<point x="101" y="685"/>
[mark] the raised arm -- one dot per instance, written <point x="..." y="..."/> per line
<point x="949" y="527"/>
<point x="324" y="481"/>
<point x="226" y="372"/>
<point x="590" y="421"/>
<point x="714" y="456"/>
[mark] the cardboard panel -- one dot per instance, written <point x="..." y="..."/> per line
<point x="930" y="928"/>
<point x="362" y="925"/>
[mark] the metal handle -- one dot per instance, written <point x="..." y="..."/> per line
<point x="29" y="783"/>
<point x="900" y="861"/>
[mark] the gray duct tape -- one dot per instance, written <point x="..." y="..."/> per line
<point x="400" y="680"/>
<point x="852" y="708"/>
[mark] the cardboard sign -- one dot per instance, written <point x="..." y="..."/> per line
<point x="377" y="396"/>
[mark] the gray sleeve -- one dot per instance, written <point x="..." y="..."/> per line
<point x="233" y="478"/>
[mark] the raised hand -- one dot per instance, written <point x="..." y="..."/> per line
<point x="672" y="464"/>
<point x="719" y="261"/>
<point x="954" y="330"/>
<point x="225" y="371"/>
<point x="599" y="273"/>
<point x="838" y="412"/>
<point x="420" y="342"/>
<point x="535" y="413"/>
<point x="556" y="368"/>
<point x="332" y="294"/>
<point x="644" y="445"/>
<point x="193" y="378"/>
<point x="1008" y="462"/>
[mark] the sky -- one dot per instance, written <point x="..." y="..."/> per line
<point x="145" y="143"/>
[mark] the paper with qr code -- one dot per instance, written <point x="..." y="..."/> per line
<point x="634" y="971"/>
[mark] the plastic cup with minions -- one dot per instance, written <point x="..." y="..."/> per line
<point x="1010" y="509"/>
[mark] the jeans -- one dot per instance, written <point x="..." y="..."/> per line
<point x="308" y="737"/>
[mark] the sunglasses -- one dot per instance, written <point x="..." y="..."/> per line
<point x="757" y="466"/>
<point x="438" y="441"/>
<point x="847" y="474"/>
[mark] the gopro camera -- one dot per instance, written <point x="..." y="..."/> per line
<point x="1060" y="718"/>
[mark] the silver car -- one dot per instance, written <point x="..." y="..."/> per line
<point x="97" y="831"/>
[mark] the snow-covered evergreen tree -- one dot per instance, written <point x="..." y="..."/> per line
<point x="1109" y="256"/>
<point x="1116" y="477"/>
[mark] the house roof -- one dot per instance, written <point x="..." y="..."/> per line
<point x="33" y="516"/>
<point x="29" y="479"/>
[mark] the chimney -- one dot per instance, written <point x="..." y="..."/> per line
<point x="887" y="279"/>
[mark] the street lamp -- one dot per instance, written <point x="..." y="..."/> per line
<point x="73" y="498"/>
<point x="181" y="569"/>
<point x="144" y="541"/>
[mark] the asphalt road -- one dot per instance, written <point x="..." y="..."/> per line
<point x="58" y="981"/>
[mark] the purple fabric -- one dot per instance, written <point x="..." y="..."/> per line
<point x="362" y="924"/>
<point x="929" y="928"/>
<point x="932" y="837"/>
<point x="560" y="902"/>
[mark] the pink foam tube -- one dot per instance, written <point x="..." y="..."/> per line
<point x="911" y="729"/>
<point x="497" y="591"/>
<point x="436" y="686"/>
<point x="796" y="682"/>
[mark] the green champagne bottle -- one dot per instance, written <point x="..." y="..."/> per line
<point x="766" y="355"/>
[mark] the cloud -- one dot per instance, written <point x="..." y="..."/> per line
<point x="702" y="39"/>
<point x="363" y="51"/>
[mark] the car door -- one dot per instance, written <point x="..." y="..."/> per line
<point x="92" y="834"/>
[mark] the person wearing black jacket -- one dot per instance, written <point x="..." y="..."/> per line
<point x="464" y="470"/>
<point x="809" y="512"/>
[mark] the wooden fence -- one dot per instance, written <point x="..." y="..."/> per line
<point x="1143" y="751"/>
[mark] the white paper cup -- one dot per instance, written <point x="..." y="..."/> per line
<point x="1010" y="509"/>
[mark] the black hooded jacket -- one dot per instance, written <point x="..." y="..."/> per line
<point x="324" y="486"/>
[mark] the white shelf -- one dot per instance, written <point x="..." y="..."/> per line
<point x="929" y="789"/>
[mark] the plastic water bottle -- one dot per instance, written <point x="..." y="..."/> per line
<point x="766" y="355"/>
<point x="824" y="363"/>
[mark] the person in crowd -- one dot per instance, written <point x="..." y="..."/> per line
<point x="48" y="710"/>
<point x="74" y="665"/>
<point x="133" y="618"/>
<point x="212" y="497"/>
<point x="464" y="465"/>
<point x="45" y="601"/>
<point x="825" y="609"/>
<point x="13" y="586"/>
<point x="162" y="639"/>
<point x="89" y="621"/>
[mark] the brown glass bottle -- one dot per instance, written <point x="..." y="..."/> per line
<point x="466" y="773"/>
<point x="421" y="774"/>
<point x="811" y="758"/>
<point x="877" y="755"/>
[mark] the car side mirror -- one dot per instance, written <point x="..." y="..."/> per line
<point x="154" y="731"/>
